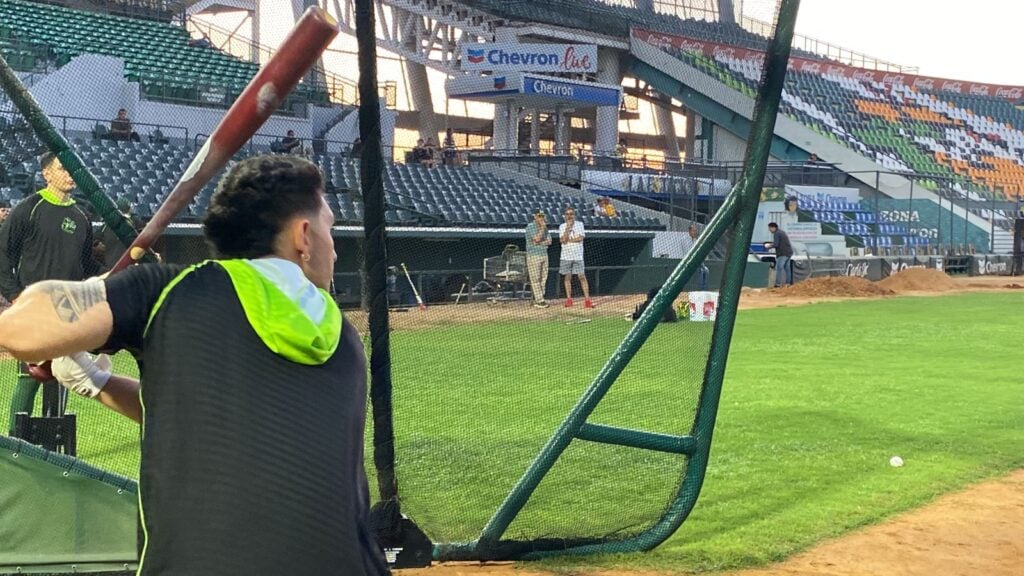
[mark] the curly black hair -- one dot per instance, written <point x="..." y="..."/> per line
<point x="254" y="201"/>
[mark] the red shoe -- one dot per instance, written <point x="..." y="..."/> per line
<point x="568" y="302"/>
<point x="587" y="303"/>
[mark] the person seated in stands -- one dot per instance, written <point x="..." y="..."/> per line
<point x="289" y="144"/>
<point x="203" y="42"/>
<point x="430" y="149"/>
<point x="609" y="209"/>
<point x="419" y="152"/>
<point x="604" y="207"/>
<point x="121" y="127"/>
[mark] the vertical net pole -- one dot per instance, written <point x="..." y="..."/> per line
<point x="375" y="254"/>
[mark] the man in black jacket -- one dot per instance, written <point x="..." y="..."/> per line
<point x="45" y="237"/>
<point x="783" y="255"/>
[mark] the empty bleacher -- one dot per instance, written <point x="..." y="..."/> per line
<point x="156" y="54"/>
<point x="973" y="145"/>
<point x="144" y="173"/>
<point x="861" y="226"/>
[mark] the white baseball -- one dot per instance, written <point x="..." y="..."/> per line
<point x="895" y="461"/>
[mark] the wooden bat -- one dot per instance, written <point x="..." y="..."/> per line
<point x="415" y="292"/>
<point x="298" y="53"/>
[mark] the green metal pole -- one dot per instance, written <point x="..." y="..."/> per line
<point x="56" y="143"/>
<point x="742" y="202"/>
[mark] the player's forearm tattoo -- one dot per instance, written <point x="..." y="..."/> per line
<point x="72" y="299"/>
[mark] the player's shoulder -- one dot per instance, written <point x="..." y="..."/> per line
<point x="28" y="203"/>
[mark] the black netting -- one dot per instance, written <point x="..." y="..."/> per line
<point x="486" y="362"/>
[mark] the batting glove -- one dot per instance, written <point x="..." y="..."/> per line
<point x="82" y="373"/>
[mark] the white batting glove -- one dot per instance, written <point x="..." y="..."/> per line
<point x="82" y="373"/>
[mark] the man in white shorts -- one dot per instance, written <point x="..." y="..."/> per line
<point x="571" y="233"/>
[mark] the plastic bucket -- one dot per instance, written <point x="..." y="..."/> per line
<point x="703" y="306"/>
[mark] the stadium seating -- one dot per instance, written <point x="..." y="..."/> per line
<point x="156" y="54"/>
<point x="859" y="224"/>
<point x="144" y="173"/>
<point x="974" y="145"/>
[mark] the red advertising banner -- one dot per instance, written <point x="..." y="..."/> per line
<point x="822" y="67"/>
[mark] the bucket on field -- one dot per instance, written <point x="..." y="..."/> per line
<point x="703" y="306"/>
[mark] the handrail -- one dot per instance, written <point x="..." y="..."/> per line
<point x="66" y="120"/>
<point x="828" y="49"/>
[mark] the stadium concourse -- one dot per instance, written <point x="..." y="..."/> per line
<point x="495" y="115"/>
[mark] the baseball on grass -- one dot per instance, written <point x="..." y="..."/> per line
<point x="895" y="461"/>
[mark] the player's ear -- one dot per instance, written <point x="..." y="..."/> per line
<point x="300" y="235"/>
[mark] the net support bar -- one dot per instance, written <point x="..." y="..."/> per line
<point x="739" y="209"/>
<point x="637" y="439"/>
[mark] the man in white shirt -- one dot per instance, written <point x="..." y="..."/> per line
<point x="689" y="241"/>
<point x="571" y="233"/>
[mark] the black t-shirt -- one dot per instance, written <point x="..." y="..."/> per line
<point x="43" y="239"/>
<point x="251" y="464"/>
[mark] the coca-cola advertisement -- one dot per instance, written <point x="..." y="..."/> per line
<point x="670" y="41"/>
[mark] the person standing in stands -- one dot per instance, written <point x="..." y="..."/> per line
<point x="783" y="255"/>
<point x="537" y="242"/>
<point x="46" y="237"/>
<point x="252" y="395"/>
<point x="572" y="234"/>
<point x="450" y="150"/>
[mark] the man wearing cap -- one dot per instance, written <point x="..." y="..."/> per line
<point x="537" y="242"/>
<point x="45" y="237"/>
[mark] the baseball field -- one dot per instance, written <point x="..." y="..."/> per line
<point x="818" y="398"/>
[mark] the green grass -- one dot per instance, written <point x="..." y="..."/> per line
<point x="816" y="400"/>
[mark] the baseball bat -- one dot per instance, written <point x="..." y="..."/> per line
<point x="415" y="292"/>
<point x="298" y="53"/>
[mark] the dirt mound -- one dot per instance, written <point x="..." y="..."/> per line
<point x="918" y="279"/>
<point x="835" y="287"/>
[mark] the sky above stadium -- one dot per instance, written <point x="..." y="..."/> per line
<point x="977" y="40"/>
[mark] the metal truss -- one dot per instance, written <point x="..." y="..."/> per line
<point x="428" y="32"/>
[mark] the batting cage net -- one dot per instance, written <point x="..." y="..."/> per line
<point x="546" y="352"/>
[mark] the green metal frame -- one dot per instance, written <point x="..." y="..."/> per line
<point x="55" y="142"/>
<point x="739" y="212"/>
